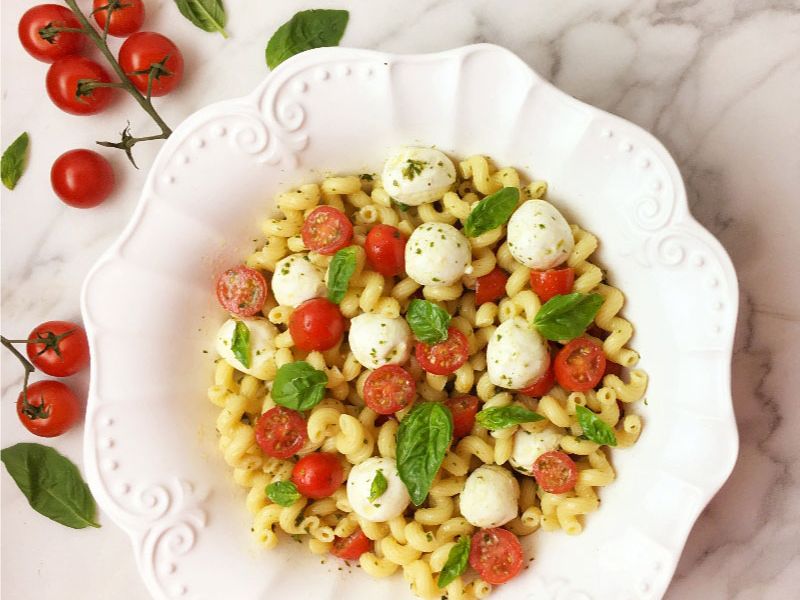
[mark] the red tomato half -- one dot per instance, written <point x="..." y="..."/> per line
<point x="318" y="475"/>
<point x="580" y="365"/>
<point x="351" y="547"/>
<point x="63" y="350"/>
<point x="50" y="410"/>
<point x="491" y="286"/>
<point x="327" y="230"/>
<point x="42" y="43"/>
<point x="555" y="472"/>
<point x="385" y="248"/>
<point x="242" y="291"/>
<point x="281" y="432"/>
<point x="388" y="389"/>
<point x="125" y="20"/>
<point x="445" y="357"/>
<point x="145" y="50"/>
<point x="464" y="409"/>
<point x="316" y="324"/>
<point x="62" y="81"/>
<point x="82" y="178"/>
<point x="552" y="282"/>
<point x="495" y="554"/>
<point x="541" y="386"/>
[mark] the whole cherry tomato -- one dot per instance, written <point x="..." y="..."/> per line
<point x="316" y="324"/>
<point x="49" y="409"/>
<point x="58" y="348"/>
<point x="38" y="35"/>
<point x="145" y="51"/>
<point x="385" y="248"/>
<point x="69" y="85"/>
<point x="127" y="16"/>
<point x="318" y="475"/>
<point x="82" y="178"/>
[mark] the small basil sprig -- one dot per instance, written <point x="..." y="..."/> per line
<point x="428" y="321"/>
<point x="340" y="270"/>
<point x="240" y="344"/>
<point x="422" y="442"/>
<point x="283" y="493"/>
<point x="456" y="564"/>
<point x="501" y="417"/>
<point x="12" y="164"/>
<point x="208" y="15"/>
<point x="307" y="29"/>
<point x="594" y="428"/>
<point x="299" y="386"/>
<point x="492" y="212"/>
<point x="378" y="486"/>
<point x="566" y="316"/>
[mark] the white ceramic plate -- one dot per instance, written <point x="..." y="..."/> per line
<point x="150" y="312"/>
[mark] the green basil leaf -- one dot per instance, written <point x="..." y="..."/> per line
<point x="340" y="270"/>
<point x="422" y="442"/>
<point x="51" y="483"/>
<point x="307" y="29"/>
<point x="492" y="212"/>
<point x="594" y="428"/>
<point x="566" y="316"/>
<point x="208" y="15"/>
<point x="400" y="206"/>
<point x="299" y="386"/>
<point x="428" y="321"/>
<point x="240" y="344"/>
<point x="456" y="563"/>
<point x="501" y="417"/>
<point x="378" y="487"/>
<point x="13" y="162"/>
<point x="283" y="493"/>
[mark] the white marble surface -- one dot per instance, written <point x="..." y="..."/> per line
<point x="717" y="81"/>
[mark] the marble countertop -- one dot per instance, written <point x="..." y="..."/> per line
<point x="718" y="81"/>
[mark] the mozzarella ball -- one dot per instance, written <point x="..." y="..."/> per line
<point x="516" y="355"/>
<point x="376" y="340"/>
<point x="437" y="254"/>
<point x="539" y="236"/>
<point x="416" y="176"/>
<point x="489" y="498"/>
<point x="530" y="446"/>
<point x="262" y="347"/>
<point x="297" y="279"/>
<point x="390" y="503"/>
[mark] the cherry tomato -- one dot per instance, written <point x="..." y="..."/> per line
<point x="555" y="472"/>
<point x="495" y="554"/>
<point x="146" y="49"/>
<point x="327" y="230"/>
<point x="50" y="410"/>
<point x="491" y="286"/>
<point x="242" y="291"/>
<point x="82" y="178"/>
<point x="351" y="547"/>
<point x="318" y="475"/>
<point x="385" y="248"/>
<point x="464" y="409"/>
<point x="580" y="365"/>
<point x="127" y="17"/>
<point x="62" y="81"/>
<point x="541" y="386"/>
<point x="552" y="282"/>
<point x="445" y="357"/>
<point x="62" y="351"/>
<point x="388" y="389"/>
<point x="316" y="324"/>
<point x="281" y="432"/>
<point x="38" y="39"/>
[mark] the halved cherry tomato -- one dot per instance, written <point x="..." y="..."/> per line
<point x="580" y="365"/>
<point x="552" y="282"/>
<point x="38" y="38"/>
<point x="242" y="291"/>
<point x="327" y="230"/>
<point x="541" y="386"/>
<point x="555" y="471"/>
<point x="445" y="357"/>
<point x="147" y="50"/>
<point x="318" y="475"/>
<point x="316" y="324"/>
<point x="495" y="554"/>
<point x="82" y="178"/>
<point x="351" y="547"/>
<point x="127" y="17"/>
<point x="63" y="79"/>
<point x="491" y="286"/>
<point x="281" y="432"/>
<point x="51" y="408"/>
<point x="385" y="248"/>
<point x="62" y="351"/>
<point x="388" y="389"/>
<point x="464" y="409"/>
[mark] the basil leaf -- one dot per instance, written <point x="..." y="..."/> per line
<point x="492" y="212"/>
<point x="501" y="417"/>
<point x="456" y="563"/>
<point x="422" y="441"/>
<point x="428" y="321"/>
<point x="566" y="316"/>
<point x="307" y="29"/>
<point x="51" y="483"/>
<point x="12" y="164"/>
<point x="299" y="386"/>
<point x="594" y="428"/>
<point x="340" y="270"/>
<point x="283" y="493"/>
<point x="400" y="206"/>
<point x="208" y="15"/>
<point x="378" y="487"/>
<point x="240" y="344"/>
